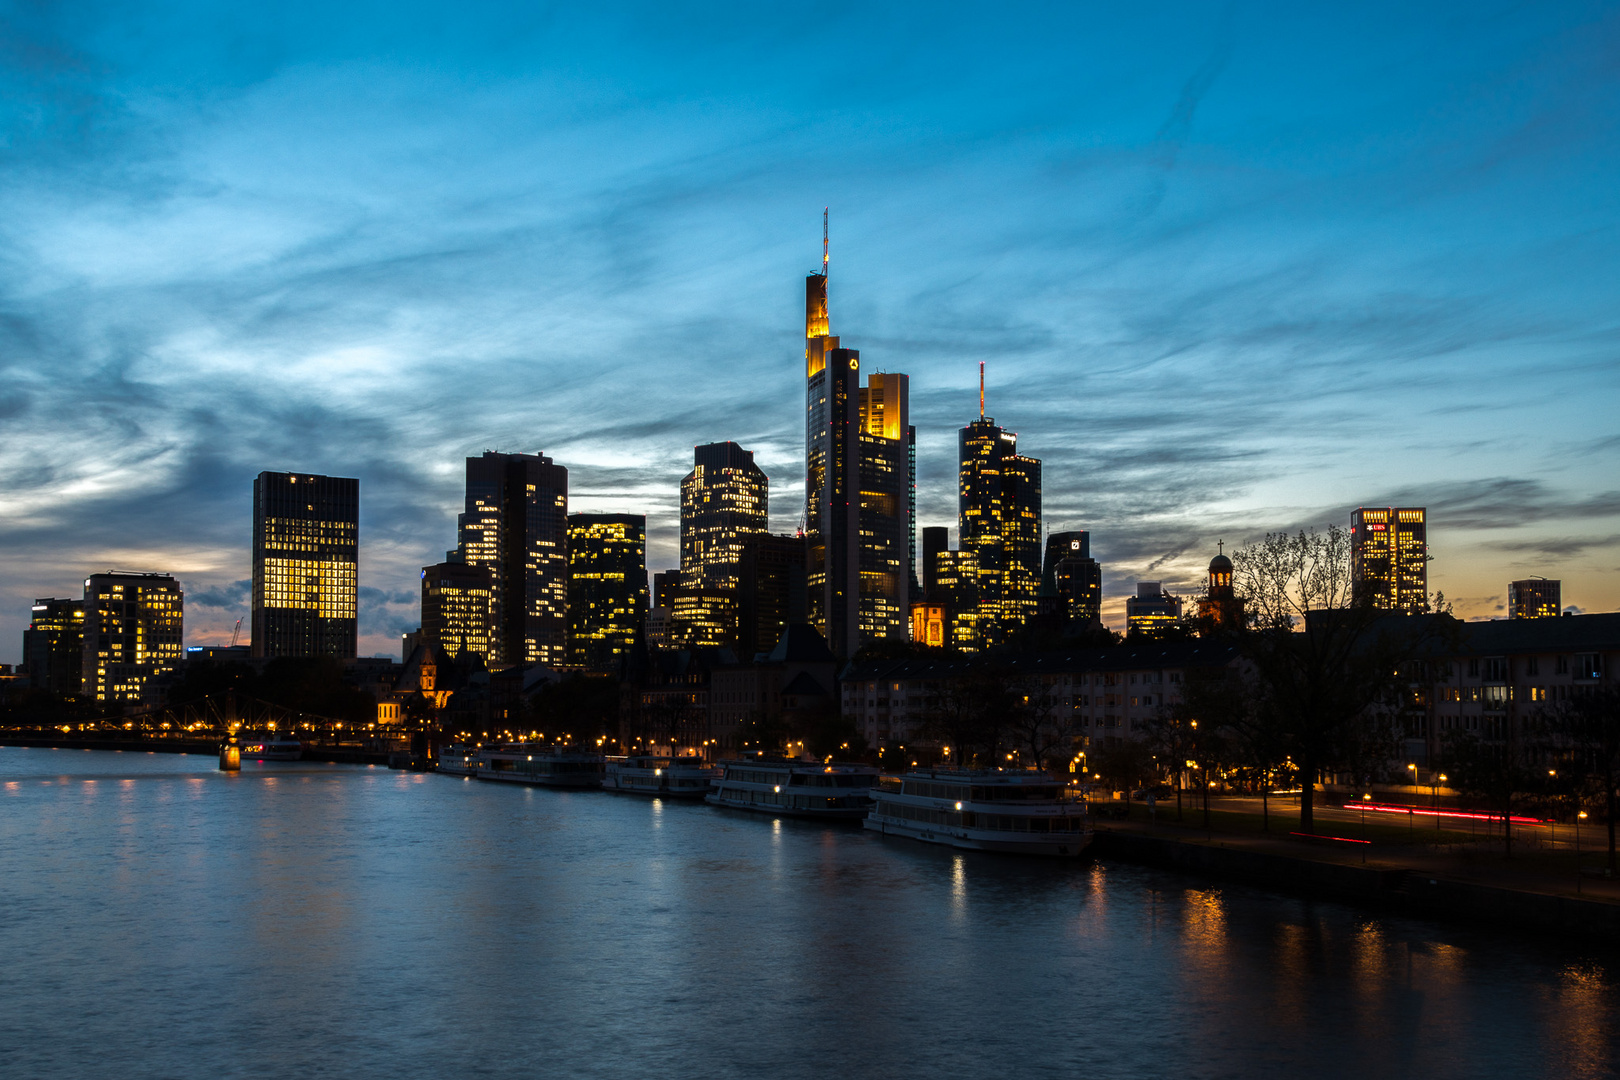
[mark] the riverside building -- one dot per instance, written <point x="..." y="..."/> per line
<point x="306" y="563"/>
<point x="516" y="524"/>
<point x="607" y="586"/>
<point x="133" y="630"/>
<point x="53" y="646"/>
<point x="1389" y="557"/>
<point x="860" y="487"/>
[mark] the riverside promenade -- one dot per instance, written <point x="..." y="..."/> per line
<point x="1405" y="862"/>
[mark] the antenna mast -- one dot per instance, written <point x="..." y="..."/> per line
<point x="981" y="389"/>
<point x="824" y="241"/>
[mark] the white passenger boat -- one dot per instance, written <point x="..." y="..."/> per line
<point x="983" y="810"/>
<point x="458" y="760"/>
<point x="795" y="788"/>
<point x="545" y="767"/>
<point x="274" y="748"/>
<point x="666" y="777"/>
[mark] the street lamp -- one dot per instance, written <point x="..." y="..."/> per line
<point x="1434" y="800"/>
<point x="1579" y="814"/>
<point x="1365" y="799"/>
<point x="1411" y="810"/>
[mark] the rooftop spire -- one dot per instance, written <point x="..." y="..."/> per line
<point x="824" y="241"/>
<point x="981" y="389"/>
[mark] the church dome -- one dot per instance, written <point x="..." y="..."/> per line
<point x="1220" y="564"/>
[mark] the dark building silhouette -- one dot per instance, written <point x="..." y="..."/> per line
<point x="306" y="565"/>
<point x="999" y="515"/>
<point x="770" y="592"/>
<point x="1389" y="558"/>
<point x="1220" y="609"/>
<point x="607" y="586"/>
<point x="935" y="539"/>
<point x="53" y="646"/>
<point x="456" y="605"/>
<point x="133" y="630"/>
<point x="516" y="524"/>
<point x="1072" y="578"/>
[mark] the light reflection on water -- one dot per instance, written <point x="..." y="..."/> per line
<point x="158" y="918"/>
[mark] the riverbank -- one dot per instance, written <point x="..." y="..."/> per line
<point x="1416" y="882"/>
<point x="340" y="754"/>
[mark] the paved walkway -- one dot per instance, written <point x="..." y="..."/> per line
<point x="1480" y="867"/>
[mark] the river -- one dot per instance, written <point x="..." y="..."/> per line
<point x="161" y="919"/>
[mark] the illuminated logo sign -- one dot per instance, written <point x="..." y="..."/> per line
<point x="853" y="363"/>
<point x="1074" y="545"/>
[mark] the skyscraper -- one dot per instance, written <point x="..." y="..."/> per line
<point x="935" y="539"/>
<point x="53" y="646"/>
<point x="859" y="487"/>
<point x="770" y="592"/>
<point x="956" y="589"/>
<point x="1534" y="598"/>
<point x="999" y="520"/>
<point x="516" y="524"/>
<point x="1389" y="558"/>
<point x="607" y="586"/>
<point x="456" y="600"/>
<point x="306" y="564"/>
<point x="133" y="629"/>
<point x="725" y="498"/>
<point x="1072" y="577"/>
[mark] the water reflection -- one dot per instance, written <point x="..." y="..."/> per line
<point x="405" y="925"/>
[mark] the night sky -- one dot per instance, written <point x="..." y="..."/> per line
<point x="1231" y="270"/>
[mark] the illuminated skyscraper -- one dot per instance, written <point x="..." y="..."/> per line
<point x="723" y="499"/>
<point x="1072" y="577"/>
<point x="1534" y="598"/>
<point x="306" y="564"/>
<point x="860" y="462"/>
<point x="1151" y="611"/>
<point x="133" y="627"/>
<point x="607" y="586"/>
<point x="1389" y="558"/>
<point x="956" y="589"/>
<point x="516" y="524"/>
<point x="53" y="646"/>
<point x="456" y="601"/>
<point x="999" y="516"/>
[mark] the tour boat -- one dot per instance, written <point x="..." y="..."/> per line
<point x="983" y="810"/>
<point x="547" y="768"/>
<point x="795" y="788"/>
<point x="458" y="760"/>
<point x="666" y="777"/>
<point x="274" y="748"/>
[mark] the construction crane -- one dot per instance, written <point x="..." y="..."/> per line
<point x="236" y="633"/>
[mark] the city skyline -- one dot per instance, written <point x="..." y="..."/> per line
<point x="1230" y="296"/>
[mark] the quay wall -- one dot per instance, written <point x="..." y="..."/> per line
<point x="345" y="755"/>
<point x="1392" y="889"/>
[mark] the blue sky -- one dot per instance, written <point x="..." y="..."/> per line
<point x="1231" y="268"/>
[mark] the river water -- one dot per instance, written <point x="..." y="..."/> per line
<point x="161" y="919"/>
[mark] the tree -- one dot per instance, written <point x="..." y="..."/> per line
<point x="970" y="712"/>
<point x="1495" y="770"/>
<point x="1585" y="730"/>
<point x="1319" y="659"/>
<point x="1038" y="721"/>
<point x="1125" y="762"/>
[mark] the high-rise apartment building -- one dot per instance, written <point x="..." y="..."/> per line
<point x="860" y="488"/>
<point x="53" y="646"/>
<point x="133" y="630"/>
<point x="1389" y="558"/>
<point x="999" y="520"/>
<point x="607" y="586"/>
<point x="1072" y="577"/>
<point x="725" y="498"/>
<point x="516" y="524"/>
<point x="306" y="564"/>
<point x="456" y="602"/>
<point x="1534" y="598"/>
<point x="1151" y="611"/>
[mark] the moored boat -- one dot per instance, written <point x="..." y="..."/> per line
<point x="458" y="760"/>
<point x="545" y="767"/>
<point x="666" y="777"/>
<point x="983" y="810"/>
<point x="795" y="788"/>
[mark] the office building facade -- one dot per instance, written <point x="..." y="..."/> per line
<point x="771" y="591"/>
<point x="956" y="590"/>
<point x="1389" y="558"/>
<point x="456" y="605"/>
<point x="133" y="632"/>
<point x="515" y="523"/>
<point x="725" y="498"/>
<point x="860" y="489"/>
<point x="1151" y="612"/>
<point x="999" y="520"/>
<point x="1072" y="578"/>
<point x="607" y="586"/>
<point x="306" y="565"/>
<point x="53" y="646"/>
<point x="1535" y="598"/>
